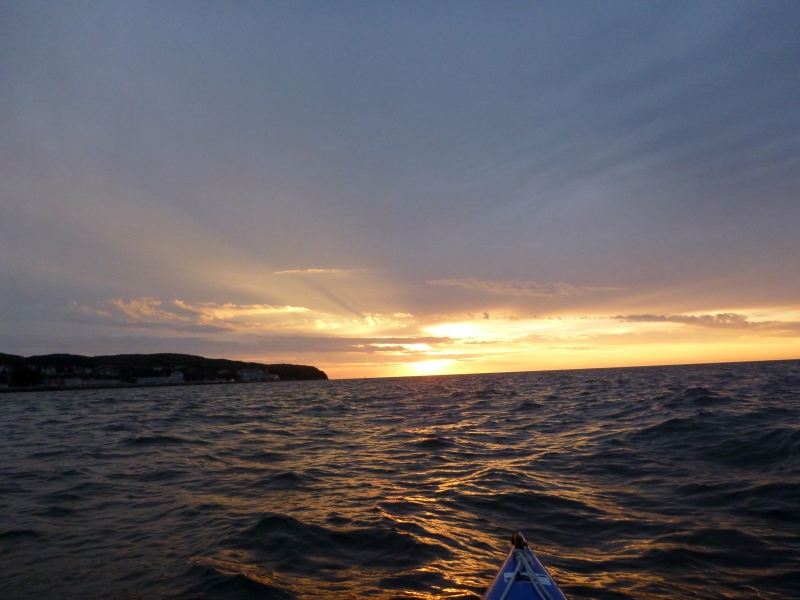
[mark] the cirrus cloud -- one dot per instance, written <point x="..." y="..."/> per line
<point x="719" y="321"/>
<point x="317" y="271"/>
<point x="521" y="288"/>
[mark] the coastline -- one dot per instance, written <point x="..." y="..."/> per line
<point x="62" y="372"/>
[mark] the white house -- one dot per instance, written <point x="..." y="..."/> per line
<point x="174" y="377"/>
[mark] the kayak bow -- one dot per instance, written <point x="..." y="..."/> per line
<point x="523" y="577"/>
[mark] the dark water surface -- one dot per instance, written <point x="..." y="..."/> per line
<point x="629" y="483"/>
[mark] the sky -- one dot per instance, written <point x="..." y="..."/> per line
<point x="402" y="188"/>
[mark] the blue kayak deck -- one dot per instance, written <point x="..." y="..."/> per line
<point x="515" y="581"/>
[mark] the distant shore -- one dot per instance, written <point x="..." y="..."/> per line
<point x="62" y="372"/>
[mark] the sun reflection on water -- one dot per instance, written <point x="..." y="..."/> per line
<point x="628" y="482"/>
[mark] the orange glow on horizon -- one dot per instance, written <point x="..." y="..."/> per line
<point x="431" y="367"/>
<point x="566" y="358"/>
<point x="396" y="343"/>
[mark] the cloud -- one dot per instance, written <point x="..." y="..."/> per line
<point x="251" y="319"/>
<point x="331" y="344"/>
<point x="375" y="319"/>
<point x="726" y="320"/>
<point x="144" y="314"/>
<point x="148" y="310"/>
<point x="520" y="288"/>
<point x="719" y="321"/>
<point x="85" y="309"/>
<point x="317" y="271"/>
<point x="181" y="316"/>
<point x="210" y="311"/>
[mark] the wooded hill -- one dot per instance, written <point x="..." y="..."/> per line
<point x="34" y="370"/>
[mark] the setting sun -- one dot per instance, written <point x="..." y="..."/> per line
<point x="431" y="367"/>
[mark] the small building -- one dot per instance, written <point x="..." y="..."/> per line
<point x="256" y="375"/>
<point x="108" y="371"/>
<point x="174" y="377"/>
<point x="101" y="382"/>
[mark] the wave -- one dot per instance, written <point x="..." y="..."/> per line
<point x="18" y="534"/>
<point x="297" y="545"/>
<point x="284" y="480"/>
<point x="161" y="440"/>
<point x="215" y="582"/>
<point x="432" y="443"/>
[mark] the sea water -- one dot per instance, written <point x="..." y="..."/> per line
<point x="657" y="482"/>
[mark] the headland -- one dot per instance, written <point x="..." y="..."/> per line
<point x="73" y="371"/>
